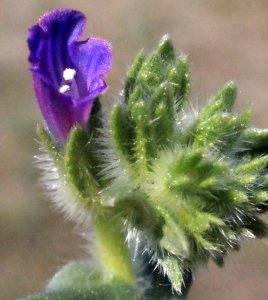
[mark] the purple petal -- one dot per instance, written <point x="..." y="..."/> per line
<point x="59" y="115"/>
<point x="95" y="59"/>
<point x="54" y="48"/>
<point x="48" y="42"/>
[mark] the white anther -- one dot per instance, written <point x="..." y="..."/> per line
<point x="64" y="88"/>
<point x="68" y="74"/>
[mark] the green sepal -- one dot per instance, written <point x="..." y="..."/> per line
<point x="172" y="268"/>
<point x="173" y="236"/>
<point x="80" y="163"/>
<point x="54" y="149"/>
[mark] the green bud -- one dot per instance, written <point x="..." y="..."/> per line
<point x="166" y="49"/>
<point x="151" y="72"/>
<point x="132" y="75"/>
<point x="210" y="131"/>
<point x="189" y="185"/>
<point x="260" y="196"/>
<point x="222" y="102"/>
<point x="121" y="131"/>
<point x="134" y="97"/>
<point x="179" y="76"/>
<point x="254" y="141"/>
<point x="164" y="94"/>
<point x="144" y="143"/>
<point x="239" y="196"/>
<point x="163" y="114"/>
<point x="252" y="167"/>
<point x="209" y="183"/>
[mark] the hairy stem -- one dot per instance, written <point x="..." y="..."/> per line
<point x="113" y="251"/>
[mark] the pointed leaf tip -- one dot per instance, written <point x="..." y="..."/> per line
<point x="166" y="49"/>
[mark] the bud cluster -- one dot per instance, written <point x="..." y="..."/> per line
<point x="186" y="185"/>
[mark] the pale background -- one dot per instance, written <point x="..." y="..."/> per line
<point x="224" y="40"/>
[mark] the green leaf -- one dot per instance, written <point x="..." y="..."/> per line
<point x="77" y="275"/>
<point x="79" y="281"/>
<point x="111" y="291"/>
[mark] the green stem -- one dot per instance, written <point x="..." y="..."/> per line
<point x="112" y="248"/>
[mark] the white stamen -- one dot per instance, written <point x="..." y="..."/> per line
<point x="64" y="88"/>
<point x="68" y="74"/>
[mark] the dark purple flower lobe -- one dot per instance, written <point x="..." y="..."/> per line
<point x="66" y="73"/>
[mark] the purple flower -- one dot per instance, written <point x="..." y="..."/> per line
<point x="66" y="73"/>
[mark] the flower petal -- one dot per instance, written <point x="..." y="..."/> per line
<point x="95" y="60"/>
<point x="54" y="52"/>
<point x="59" y="115"/>
<point x="48" y="42"/>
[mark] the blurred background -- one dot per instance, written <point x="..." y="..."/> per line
<point x="224" y="40"/>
